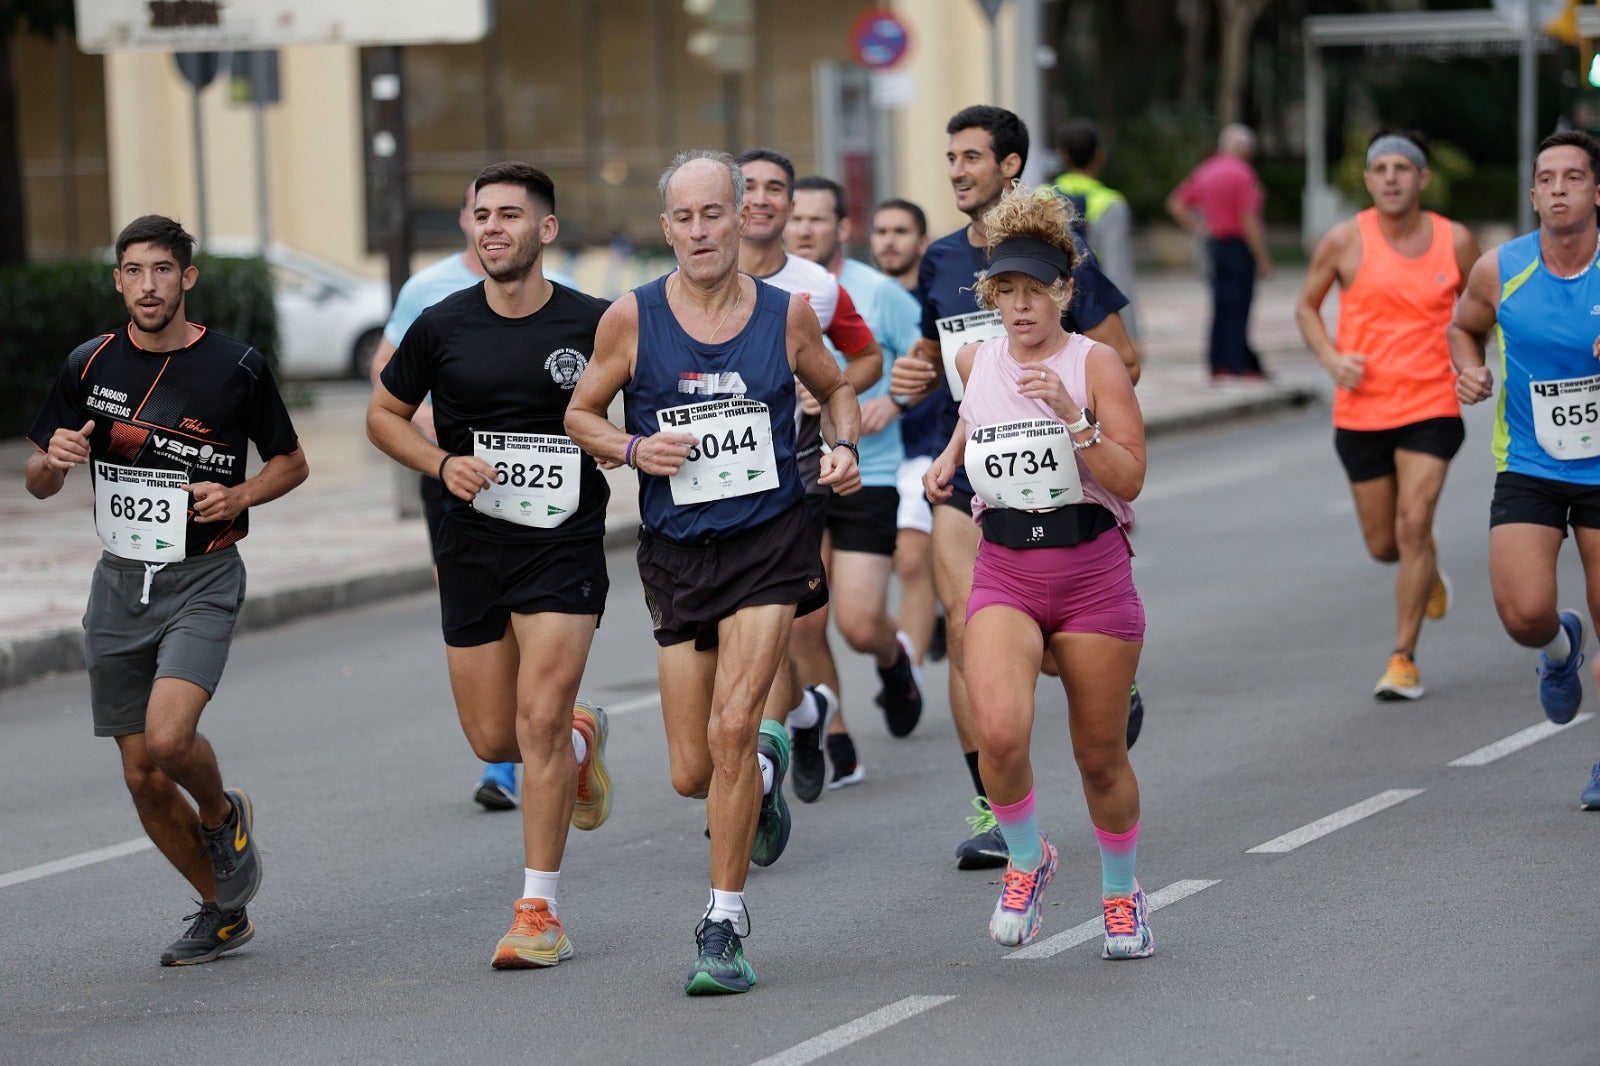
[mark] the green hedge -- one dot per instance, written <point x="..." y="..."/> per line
<point x="50" y="308"/>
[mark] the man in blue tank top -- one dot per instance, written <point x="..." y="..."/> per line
<point x="1541" y="294"/>
<point x="706" y="359"/>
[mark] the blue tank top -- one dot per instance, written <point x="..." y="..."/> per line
<point x="1546" y="328"/>
<point x="673" y="369"/>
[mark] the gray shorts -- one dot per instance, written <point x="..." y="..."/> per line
<point x="184" y="631"/>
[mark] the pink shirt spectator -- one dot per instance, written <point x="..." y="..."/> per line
<point x="1224" y="188"/>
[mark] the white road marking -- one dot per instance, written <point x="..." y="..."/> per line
<point x="72" y="862"/>
<point x="1096" y="927"/>
<point x="639" y="703"/>
<point x="1516" y="742"/>
<point x="1334" y="822"/>
<point x="850" y="1032"/>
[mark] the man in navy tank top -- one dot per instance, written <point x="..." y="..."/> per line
<point x="706" y="359"/>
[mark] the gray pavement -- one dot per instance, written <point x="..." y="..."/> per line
<point x="339" y="541"/>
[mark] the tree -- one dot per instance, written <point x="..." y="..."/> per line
<point x="44" y="18"/>
<point x="1236" y="19"/>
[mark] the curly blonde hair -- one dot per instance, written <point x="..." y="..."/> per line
<point x="1038" y="212"/>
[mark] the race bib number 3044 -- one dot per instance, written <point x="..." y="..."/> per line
<point x="1028" y="465"/>
<point x="141" y="514"/>
<point x="1566" y="417"/>
<point x="537" y="477"/>
<point x="959" y="330"/>
<point x="732" y="454"/>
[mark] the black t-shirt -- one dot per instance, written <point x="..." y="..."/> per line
<point x="489" y="373"/>
<point x="193" y="409"/>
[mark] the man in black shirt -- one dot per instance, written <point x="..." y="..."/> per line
<point x="163" y="411"/>
<point x="520" y="550"/>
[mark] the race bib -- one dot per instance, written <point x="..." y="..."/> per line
<point x="141" y="514"/>
<point x="1026" y="466"/>
<point x="732" y="454"/>
<point x="959" y="330"/>
<point x="1566" y="417"/>
<point x="537" y="478"/>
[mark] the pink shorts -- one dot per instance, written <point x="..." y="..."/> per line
<point x="1087" y="588"/>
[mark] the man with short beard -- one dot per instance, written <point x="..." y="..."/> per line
<point x="521" y="556"/>
<point x="163" y="412"/>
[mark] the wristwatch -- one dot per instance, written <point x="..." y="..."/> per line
<point x="1085" y="420"/>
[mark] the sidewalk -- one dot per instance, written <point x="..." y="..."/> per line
<point x="336" y="541"/>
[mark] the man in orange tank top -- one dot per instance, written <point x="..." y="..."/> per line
<point x="1397" y="422"/>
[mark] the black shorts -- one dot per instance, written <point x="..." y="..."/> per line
<point x="1369" y="454"/>
<point x="432" y="493"/>
<point x="1543" y="502"/>
<point x="482" y="583"/>
<point x="867" y="520"/>
<point x="961" y="501"/>
<point x="690" y="587"/>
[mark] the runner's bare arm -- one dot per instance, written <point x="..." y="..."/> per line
<point x="917" y="373"/>
<point x="1118" y="461"/>
<point x="423" y="418"/>
<point x="214" y="502"/>
<point x="46" y="471"/>
<point x="1469" y="329"/>
<point x="841" y="413"/>
<point x="936" y="479"/>
<point x="1345" y="368"/>
<point x="1113" y="333"/>
<point x="1467" y="251"/>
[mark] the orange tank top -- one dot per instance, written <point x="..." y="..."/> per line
<point x="1396" y="313"/>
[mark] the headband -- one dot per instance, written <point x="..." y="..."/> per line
<point x="1397" y="144"/>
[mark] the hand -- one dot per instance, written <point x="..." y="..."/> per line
<point x="1042" y="383"/>
<point x="913" y="372"/>
<point x="936" y="480"/>
<point x="664" y="453"/>
<point x="423" y="420"/>
<point x="876" y="414"/>
<point x="808" y="402"/>
<point x="1347" y="369"/>
<point x="1474" y="384"/>
<point x="839" y="471"/>
<point x="1263" y="269"/>
<point x="466" y="475"/>
<point x="214" y="502"/>
<point x="69" y="447"/>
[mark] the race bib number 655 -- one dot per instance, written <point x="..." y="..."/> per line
<point x="1566" y="417"/>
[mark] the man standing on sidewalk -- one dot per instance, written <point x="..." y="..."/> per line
<point x="163" y="412"/>
<point x="1103" y="211"/>
<point x="1221" y="201"/>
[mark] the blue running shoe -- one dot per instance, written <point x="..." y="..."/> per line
<point x="1590" y="801"/>
<point x="497" y="789"/>
<point x="1560" y="687"/>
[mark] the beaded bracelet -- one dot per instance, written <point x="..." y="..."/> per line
<point x="633" y="444"/>
<point x="1091" y="442"/>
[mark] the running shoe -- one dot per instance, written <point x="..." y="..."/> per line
<point x="847" y="768"/>
<point x="772" y="824"/>
<point x="1560" y="687"/>
<point x="1135" y="714"/>
<point x="1439" y="597"/>
<point x="1128" y="927"/>
<point x="1016" y="918"/>
<point x="901" y="694"/>
<point x="721" y="967"/>
<point x="938" y="642"/>
<point x="594" y="782"/>
<point x="497" y="788"/>
<point x="1400" y="680"/>
<point x="985" y="848"/>
<point x="810" y="767"/>
<point x="213" y="931"/>
<point x="235" y="859"/>
<point x="1590" y="800"/>
<point x="534" y="940"/>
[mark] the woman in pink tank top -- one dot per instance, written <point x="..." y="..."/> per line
<point x="1053" y="442"/>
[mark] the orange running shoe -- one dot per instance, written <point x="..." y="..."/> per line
<point x="535" y="939"/>
<point x="594" y="782"/>
<point x="1400" y="681"/>
<point x="1439" y="598"/>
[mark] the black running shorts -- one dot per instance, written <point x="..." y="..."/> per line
<point x="482" y="583"/>
<point x="1369" y="454"/>
<point x="1542" y="502"/>
<point x="864" y="521"/>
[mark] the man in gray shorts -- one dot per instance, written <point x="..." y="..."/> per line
<point x="165" y="439"/>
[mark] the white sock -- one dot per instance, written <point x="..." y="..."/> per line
<point x="1559" y="650"/>
<point x="726" y="905"/>
<point x="540" y="884"/>
<point x="766" y="773"/>
<point x="806" y="713"/>
<point x="580" y="747"/>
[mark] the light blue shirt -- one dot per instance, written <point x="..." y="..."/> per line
<point x="433" y="283"/>
<point x="895" y="319"/>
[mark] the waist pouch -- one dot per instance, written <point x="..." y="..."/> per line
<point x="1061" y="528"/>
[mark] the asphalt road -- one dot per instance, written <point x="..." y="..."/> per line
<point x="1450" y="916"/>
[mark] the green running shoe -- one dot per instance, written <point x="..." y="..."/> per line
<point x="721" y="968"/>
<point x="772" y="825"/>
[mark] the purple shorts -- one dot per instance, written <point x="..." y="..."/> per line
<point x="1087" y="588"/>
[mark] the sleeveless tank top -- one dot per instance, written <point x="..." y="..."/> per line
<point x="1395" y="313"/>
<point x="991" y="396"/>
<point x="673" y="369"/>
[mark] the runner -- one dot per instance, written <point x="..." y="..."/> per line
<point x="726" y="552"/>
<point x="988" y="148"/>
<point x="1060" y="574"/>
<point x="162" y="413"/>
<point x="1397" y="423"/>
<point x="522" y="568"/>
<point x="1538" y="292"/>
<point x="859" y="531"/>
